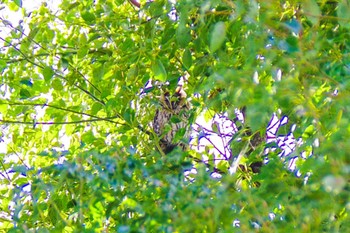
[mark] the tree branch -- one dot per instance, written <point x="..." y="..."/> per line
<point x="56" y="72"/>
<point x="65" y="109"/>
<point x="42" y="67"/>
<point x="135" y="3"/>
<point x="52" y="122"/>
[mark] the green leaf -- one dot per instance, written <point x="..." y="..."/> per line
<point x="88" y="137"/>
<point x="24" y="94"/>
<point x="13" y="6"/>
<point x="343" y="13"/>
<point x="175" y="119"/>
<point x="18" y="2"/>
<point x="159" y="71"/>
<point x="187" y="59"/>
<point x="27" y="82"/>
<point x="183" y="35"/>
<point x="48" y="73"/>
<point x="309" y="131"/>
<point x="57" y="84"/>
<point x="312" y="11"/>
<point x="217" y="36"/>
<point x="3" y="65"/>
<point x="3" y="108"/>
<point x="208" y="115"/>
<point x="129" y="115"/>
<point x="96" y="107"/>
<point x="33" y="32"/>
<point x="64" y="63"/>
<point x="99" y="143"/>
<point x="88" y="17"/>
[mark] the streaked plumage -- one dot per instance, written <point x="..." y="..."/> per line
<point x="171" y="106"/>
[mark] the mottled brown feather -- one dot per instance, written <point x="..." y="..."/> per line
<point x="175" y="105"/>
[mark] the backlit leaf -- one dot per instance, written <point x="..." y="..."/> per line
<point x="48" y="73"/>
<point x="159" y="70"/>
<point x="57" y="84"/>
<point x="18" y="2"/>
<point x="88" y="17"/>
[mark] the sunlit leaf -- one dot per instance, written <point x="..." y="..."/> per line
<point x="3" y="65"/>
<point x="159" y="70"/>
<point x="18" y="2"/>
<point x="57" y="84"/>
<point x="48" y="73"/>
<point x="88" y="17"/>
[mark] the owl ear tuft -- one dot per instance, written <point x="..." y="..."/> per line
<point x="180" y="92"/>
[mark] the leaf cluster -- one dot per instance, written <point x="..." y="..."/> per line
<point x="79" y="154"/>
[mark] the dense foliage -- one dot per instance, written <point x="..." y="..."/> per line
<point x="78" y="151"/>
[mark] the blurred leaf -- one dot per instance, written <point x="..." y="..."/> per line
<point x="72" y="177"/>
<point x="159" y="70"/>
<point x="18" y="2"/>
<point x="3" y="65"/>
<point x="24" y="94"/>
<point x="26" y="82"/>
<point x="343" y="12"/>
<point x="65" y="63"/>
<point x="57" y="84"/>
<point x="48" y="73"/>
<point x="308" y="132"/>
<point x="187" y="59"/>
<point x="88" y="17"/>
<point x="96" y="107"/>
<point x="294" y="26"/>
<point x="312" y="10"/>
<point x="183" y="35"/>
<point x="217" y="36"/>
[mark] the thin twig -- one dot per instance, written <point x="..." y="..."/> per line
<point x="135" y="3"/>
<point x="32" y="40"/>
<point x="13" y="151"/>
<point x="65" y="109"/>
<point x="54" y="123"/>
<point x="56" y="72"/>
<point x="7" y="175"/>
<point x="215" y="146"/>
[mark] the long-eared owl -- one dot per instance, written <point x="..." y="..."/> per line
<point x="171" y="106"/>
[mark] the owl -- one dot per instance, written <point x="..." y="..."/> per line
<point x="173" y="106"/>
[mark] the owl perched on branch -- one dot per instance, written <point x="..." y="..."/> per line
<point x="171" y="117"/>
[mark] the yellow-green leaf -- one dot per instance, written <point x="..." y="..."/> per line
<point x="48" y="73"/>
<point x="159" y="71"/>
<point x="18" y="2"/>
<point x="57" y="84"/>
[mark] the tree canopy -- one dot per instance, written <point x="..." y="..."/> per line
<point x="78" y="152"/>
